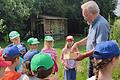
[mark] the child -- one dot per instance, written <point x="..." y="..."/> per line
<point x="15" y="39"/>
<point x="42" y="65"/>
<point x="11" y="53"/>
<point x="3" y="65"/>
<point x="48" y="48"/>
<point x="106" y="56"/>
<point x="33" y="46"/>
<point x="70" y="65"/>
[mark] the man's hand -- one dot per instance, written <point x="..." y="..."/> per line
<point x="79" y="57"/>
<point x="85" y="55"/>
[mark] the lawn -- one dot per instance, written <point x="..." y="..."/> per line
<point x="83" y="65"/>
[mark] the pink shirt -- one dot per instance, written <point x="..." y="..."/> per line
<point x="50" y="51"/>
<point x="53" y="53"/>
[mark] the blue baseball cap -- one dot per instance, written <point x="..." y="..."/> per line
<point x="28" y="56"/>
<point x="11" y="51"/>
<point x="107" y="49"/>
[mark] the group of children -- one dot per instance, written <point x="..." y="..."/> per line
<point x="19" y="63"/>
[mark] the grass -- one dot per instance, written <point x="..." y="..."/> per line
<point x="83" y="65"/>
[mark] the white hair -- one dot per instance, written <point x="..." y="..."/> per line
<point x="91" y="7"/>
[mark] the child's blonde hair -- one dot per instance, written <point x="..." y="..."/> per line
<point x="100" y="65"/>
<point x="48" y="41"/>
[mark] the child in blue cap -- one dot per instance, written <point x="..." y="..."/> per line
<point x="106" y="56"/>
<point x="11" y="53"/>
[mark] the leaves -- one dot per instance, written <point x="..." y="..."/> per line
<point x="16" y="13"/>
<point x="2" y="26"/>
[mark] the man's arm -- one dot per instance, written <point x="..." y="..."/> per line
<point x="85" y="55"/>
<point x="81" y="42"/>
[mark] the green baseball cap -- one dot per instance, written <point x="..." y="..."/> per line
<point x="33" y="41"/>
<point x="49" y="38"/>
<point x="41" y="60"/>
<point x="13" y="34"/>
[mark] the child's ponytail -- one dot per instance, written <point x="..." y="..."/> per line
<point x="99" y="65"/>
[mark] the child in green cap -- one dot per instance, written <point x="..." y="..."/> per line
<point x="33" y="49"/>
<point x="48" y="49"/>
<point x="42" y="65"/>
<point x="15" y="39"/>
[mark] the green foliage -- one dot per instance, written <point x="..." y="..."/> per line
<point x="2" y="26"/>
<point x="107" y="6"/>
<point x="115" y="31"/>
<point x="16" y="13"/>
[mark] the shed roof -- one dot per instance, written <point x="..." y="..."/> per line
<point x="51" y="17"/>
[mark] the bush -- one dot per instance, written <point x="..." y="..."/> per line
<point x="115" y="31"/>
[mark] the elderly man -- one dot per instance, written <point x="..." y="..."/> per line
<point x="99" y="30"/>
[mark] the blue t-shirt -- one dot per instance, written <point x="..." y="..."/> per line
<point x="98" y="31"/>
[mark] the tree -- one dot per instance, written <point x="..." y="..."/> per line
<point x="2" y="26"/>
<point x="14" y="13"/>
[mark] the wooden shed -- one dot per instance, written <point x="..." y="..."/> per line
<point x="49" y="25"/>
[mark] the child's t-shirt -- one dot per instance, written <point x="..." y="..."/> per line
<point x="70" y="62"/>
<point x="53" y="53"/>
<point x="50" y="51"/>
<point x="25" y="77"/>
<point x="11" y="75"/>
<point x="19" y="68"/>
<point x="92" y="78"/>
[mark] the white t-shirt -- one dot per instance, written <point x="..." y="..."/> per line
<point x="92" y="78"/>
<point x="25" y="77"/>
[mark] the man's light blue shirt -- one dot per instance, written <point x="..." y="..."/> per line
<point x="99" y="31"/>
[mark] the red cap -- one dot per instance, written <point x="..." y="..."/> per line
<point x="69" y="38"/>
<point x="1" y="50"/>
<point x="4" y="63"/>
